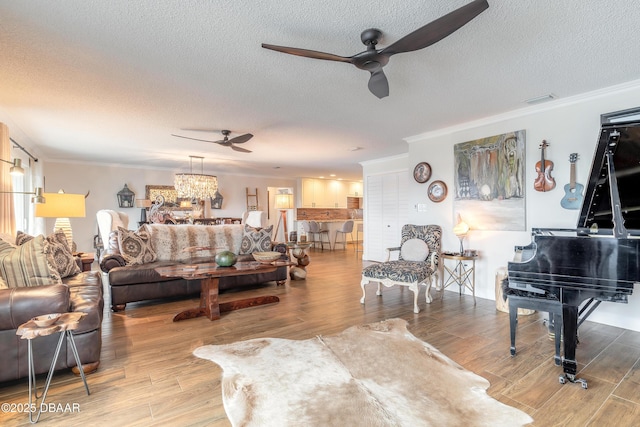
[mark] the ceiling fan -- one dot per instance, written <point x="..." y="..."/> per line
<point x="226" y="141"/>
<point x="374" y="60"/>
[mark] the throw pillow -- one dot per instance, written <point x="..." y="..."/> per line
<point x="26" y="265"/>
<point x="5" y="246"/>
<point x="256" y="239"/>
<point x="414" y="250"/>
<point x="22" y="238"/>
<point x="59" y="254"/>
<point x="135" y="246"/>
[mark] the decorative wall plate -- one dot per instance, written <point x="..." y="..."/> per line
<point x="422" y="172"/>
<point x="437" y="191"/>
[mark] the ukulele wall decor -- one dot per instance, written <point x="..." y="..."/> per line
<point x="544" y="181"/>
<point x="573" y="191"/>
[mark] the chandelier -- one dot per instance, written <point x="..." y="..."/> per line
<point x="196" y="185"/>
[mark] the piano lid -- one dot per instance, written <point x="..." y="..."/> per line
<point x="596" y="212"/>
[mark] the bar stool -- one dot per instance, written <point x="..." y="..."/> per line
<point x="359" y="232"/>
<point x="346" y="229"/>
<point x="306" y="229"/>
<point x="317" y="233"/>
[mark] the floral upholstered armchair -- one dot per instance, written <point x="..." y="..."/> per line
<point x="418" y="263"/>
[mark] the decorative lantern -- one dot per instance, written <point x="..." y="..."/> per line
<point x="126" y="197"/>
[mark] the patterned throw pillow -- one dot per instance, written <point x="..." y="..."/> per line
<point x="26" y="265"/>
<point x="56" y="248"/>
<point x="256" y="239"/>
<point x="135" y="246"/>
<point x="59" y="255"/>
<point x="22" y="238"/>
<point x="5" y="246"/>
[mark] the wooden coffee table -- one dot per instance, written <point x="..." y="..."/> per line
<point x="209" y="275"/>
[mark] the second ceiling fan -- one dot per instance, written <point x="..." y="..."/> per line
<point x="374" y="60"/>
<point x="226" y="141"/>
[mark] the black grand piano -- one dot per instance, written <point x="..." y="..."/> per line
<point x="570" y="272"/>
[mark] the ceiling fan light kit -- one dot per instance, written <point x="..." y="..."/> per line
<point x="373" y="60"/>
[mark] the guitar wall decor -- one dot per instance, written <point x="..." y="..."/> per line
<point x="573" y="191"/>
<point x="544" y="181"/>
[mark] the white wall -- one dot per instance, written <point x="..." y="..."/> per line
<point x="568" y="126"/>
<point x="104" y="181"/>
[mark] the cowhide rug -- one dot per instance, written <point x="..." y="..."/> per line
<point x="371" y="375"/>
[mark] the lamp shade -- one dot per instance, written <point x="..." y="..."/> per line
<point x="16" y="169"/>
<point x="461" y="228"/>
<point x="284" y="201"/>
<point x="61" y="205"/>
<point x="143" y="203"/>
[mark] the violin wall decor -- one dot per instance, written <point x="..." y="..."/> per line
<point x="544" y="181"/>
<point x="573" y="191"/>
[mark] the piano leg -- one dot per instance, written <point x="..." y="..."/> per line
<point x="556" y="324"/>
<point x="570" y="327"/>
<point x="554" y="308"/>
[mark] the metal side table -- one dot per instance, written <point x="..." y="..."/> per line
<point x="462" y="274"/>
<point x="66" y="323"/>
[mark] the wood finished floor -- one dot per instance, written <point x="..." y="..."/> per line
<point x="148" y="375"/>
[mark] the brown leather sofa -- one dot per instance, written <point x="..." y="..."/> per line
<point x="131" y="283"/>
<point x="82" y="292"/>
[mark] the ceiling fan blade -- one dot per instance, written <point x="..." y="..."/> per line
<point x="306" y="53"/>
<point x="240" y="149"/>
<point x="242" y="138"/>
<point x="195" y="139"/>
<point x="437" y="30"/>
<point x="378" y="83"/>
<point x="200" y="130"/>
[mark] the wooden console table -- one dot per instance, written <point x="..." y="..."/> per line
<point x="209" y="275"/>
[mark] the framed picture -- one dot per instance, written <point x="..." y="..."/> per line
<point x="422" y="172"/>
<point x="171" y="199"/>
<point x="437" y="191"/>
<point x="489" y="190"/>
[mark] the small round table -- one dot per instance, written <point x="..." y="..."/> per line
<point x="66" y="323"/>
<point x="461" y="274"/>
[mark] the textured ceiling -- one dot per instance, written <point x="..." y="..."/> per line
<point x="110" y="81"/>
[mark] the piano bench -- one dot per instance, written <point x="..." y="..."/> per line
<point x="554" y="308"/>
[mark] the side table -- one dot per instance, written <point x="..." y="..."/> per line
<point x="461" y="274"/>
<point x="299" y="252"/>
<point x="66" y="323"/>
<point x="87" y="260"/>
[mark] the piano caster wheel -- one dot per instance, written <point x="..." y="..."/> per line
<point x="513" y="351"/>
<point x="558" y="361"/>
<point x="571" y="378"/>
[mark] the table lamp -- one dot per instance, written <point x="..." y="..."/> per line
<point x="460" y="230"/>
<point x="144" y="204"/>
<point x="283" y="202"/>
<point x="62" y="206"/>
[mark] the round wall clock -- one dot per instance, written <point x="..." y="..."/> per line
<point x="422" y="172"/>
<point x="437" y="191"/>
